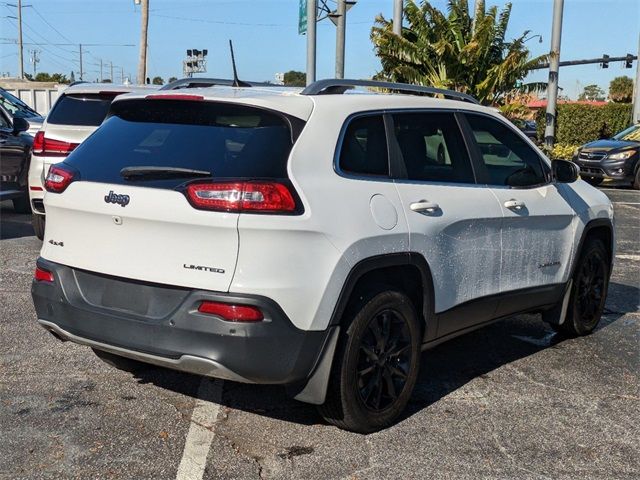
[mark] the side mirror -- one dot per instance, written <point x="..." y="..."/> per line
<point x="565" y="171"/>
<point x="19" y="125"/>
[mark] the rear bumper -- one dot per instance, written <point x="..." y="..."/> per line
<point x="160" y="324"/>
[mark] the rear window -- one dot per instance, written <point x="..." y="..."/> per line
<point x="226" y="140"/>
<point x="81" y="109"/>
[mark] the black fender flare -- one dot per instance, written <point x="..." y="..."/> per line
<point x="379" y="262"/>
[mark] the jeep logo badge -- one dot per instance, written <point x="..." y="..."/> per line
<point x="122" y="200"/>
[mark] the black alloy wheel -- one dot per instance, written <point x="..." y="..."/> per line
<point x="384" y="360"/>
<point x="375" y="366"/>
<point x="588" y="291"/>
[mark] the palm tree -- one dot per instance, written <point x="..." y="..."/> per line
<point x="453" y="51"/>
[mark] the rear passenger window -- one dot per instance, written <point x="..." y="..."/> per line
<point x="432" y="147"/>
<point x="508" y="159"/>
<point x="364" y="147"/>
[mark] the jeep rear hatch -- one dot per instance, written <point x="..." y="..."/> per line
<point x="155" y="194"/>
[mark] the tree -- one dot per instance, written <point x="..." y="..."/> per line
<point x="454" y="52"/>
<point x="294" y="78"/>
<point x="172" y="79"/>
<point x="592" y="93"/>
<point x="621" y="89"/>
<point x="54" y="77"/>
<point x="157" y="81"/>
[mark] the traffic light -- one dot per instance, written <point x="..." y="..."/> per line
<point x="189" y="53"/>
<point x="605" y="61"/>
<point x="628" y="63"/>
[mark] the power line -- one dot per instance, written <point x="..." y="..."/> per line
<point x="51" y="26"/>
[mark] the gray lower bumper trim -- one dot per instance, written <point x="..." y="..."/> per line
<point x="186" y="363"/>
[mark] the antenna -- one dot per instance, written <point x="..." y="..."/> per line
<point x="236" y="81"/>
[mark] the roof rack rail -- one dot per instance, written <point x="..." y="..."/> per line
<point x="339" y="86"/>
<point x="196" y="82"/>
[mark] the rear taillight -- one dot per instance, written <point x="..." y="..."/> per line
<point x="51" y="148"/>
<point x="58" y="178"/>
<point x="266" y="197"/>
<point x="232" y="313"/>
<point x="42" y="275"/>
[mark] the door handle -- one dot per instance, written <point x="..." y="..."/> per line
<point x="424" y="206"/>
<point x="514" y="204"/>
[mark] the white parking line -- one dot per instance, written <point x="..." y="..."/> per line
<point x="201" y="430"/>
<point x="628" y="257"/>
<point x="626" y="203"/>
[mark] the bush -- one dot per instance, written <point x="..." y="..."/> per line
<point x="562" y="151"/>
<point x="579" y="123"/>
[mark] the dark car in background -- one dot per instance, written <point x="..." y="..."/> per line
<point x="528" y="127"/>
<point x="19" y="109"/>
<point x="614" y="159"/>
<point x="15" y="150"/>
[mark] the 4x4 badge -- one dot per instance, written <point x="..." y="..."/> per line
<point x="122" y="200"/>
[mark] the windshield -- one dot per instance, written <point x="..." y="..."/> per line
<point x="631" y="134"/>
<point x="15" y="106"/>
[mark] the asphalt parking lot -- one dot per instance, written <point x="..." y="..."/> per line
<point x="512" y="400"/>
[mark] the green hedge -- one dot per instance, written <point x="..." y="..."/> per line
<point x="580" y="123"/>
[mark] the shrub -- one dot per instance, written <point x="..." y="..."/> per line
<point x="562" y="151"/>
<point x="579" y="123"/>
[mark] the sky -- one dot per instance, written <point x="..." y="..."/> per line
<point x="266" y="40"/>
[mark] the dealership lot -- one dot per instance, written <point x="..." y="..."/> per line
<point x="511" y="400"/>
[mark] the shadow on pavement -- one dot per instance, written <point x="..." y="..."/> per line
<point x="14" y="225"/>
<point x="444" y="369"/>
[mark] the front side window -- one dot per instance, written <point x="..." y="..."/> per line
<point x="507" y="157"/>
<point x="364" y="147"/>
<point x="432" y="147"/>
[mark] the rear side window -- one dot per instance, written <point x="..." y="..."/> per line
<point x="432" y="147"/>
<point x="364" y="147"/>
<point x="81" y="109"/>
<point x="221" y="139"/>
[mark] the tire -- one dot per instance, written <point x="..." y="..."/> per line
<point x="121" y="363"/>
<point x="588" y="291"/>
<point x="38" y="222"/>
<point x="636" y="180"/>
<point x="22" y="204"/>
<point x="593" y="181"/>
<point x="368" y="390"/>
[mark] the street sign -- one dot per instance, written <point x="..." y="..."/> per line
<point x="302" y="17"/>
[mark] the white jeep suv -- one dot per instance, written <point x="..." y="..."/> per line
<point x="77" y="113"/>
<point x="315" y="239"/>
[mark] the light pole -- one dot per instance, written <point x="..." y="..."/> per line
<point x="312" y="14"/>
<point x="142" y="60"/>
<point x="397" y="17"/>
<point x="636" y="98"/>
<point x="554" y="67"/>
<point x="341" y="27"/>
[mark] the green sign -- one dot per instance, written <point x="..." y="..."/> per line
<point x="302" y="17"/>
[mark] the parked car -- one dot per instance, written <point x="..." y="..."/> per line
<point x="19" y="109"/>
<point x="77" y="113"/>
<point x="308" y="239"/>
<point x="528" y="127"/>
<point x="15" y="146"/>
<point x="614" y="159"/>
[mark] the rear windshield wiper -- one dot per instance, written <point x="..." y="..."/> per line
<point x="151" y="172"/>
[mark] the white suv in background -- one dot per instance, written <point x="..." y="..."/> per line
<point x="314" y="239"/>
<point x="77" y="113"/>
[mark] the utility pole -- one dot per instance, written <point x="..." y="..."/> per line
<point x="20" y="51"/>
<point x="397" y="17"/>
<point x="111" y="67"/>
<point x="554" y="67"/>
<point x="142" y="60"/>
<point x="81" y="71"/>
<point x="312" y="14"/>
<point x="341" y="27"/>
<point x="35" y="59"/>
<point x="636" y="97"/>
<point x="101" y="71"/>
<point x="121" y="74"/>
